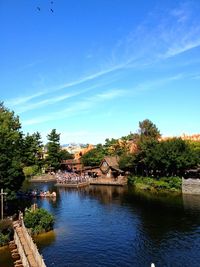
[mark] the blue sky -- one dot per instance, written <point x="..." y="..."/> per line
<point x="94" y="69"/>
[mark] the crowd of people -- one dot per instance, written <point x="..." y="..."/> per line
<point x="71" y="178"/>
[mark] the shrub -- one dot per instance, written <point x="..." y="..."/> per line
<point x="38" y="221"/>
<point x="150" y="183"/>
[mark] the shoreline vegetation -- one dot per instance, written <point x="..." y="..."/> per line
<point x="38" y="221"/>
<point x="167" y="184"/>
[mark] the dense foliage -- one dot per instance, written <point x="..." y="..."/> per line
<point x="159" y="158"/>
<point x="11" y="174"/>
<point x="38" y="221"/>
<point x="94" y="157"/>
<point x="64" y="155"/>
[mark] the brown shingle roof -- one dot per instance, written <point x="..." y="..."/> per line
<point x="113" y="161"/>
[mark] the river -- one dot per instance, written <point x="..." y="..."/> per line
<point x="117" y="226"/>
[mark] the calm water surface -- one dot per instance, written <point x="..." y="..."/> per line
<point x="115" y="226"/>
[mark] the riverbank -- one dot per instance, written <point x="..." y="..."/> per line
<point x="108" y="181"/>
<point x="43" y="178"/>
<point x="172" y="184"/>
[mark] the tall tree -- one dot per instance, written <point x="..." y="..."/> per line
<point x="11" y="174"/>
<point x="32" y="146"/>
<point x="53" y="149"/>
<point x="148" y="130"/>
<point x="146" y="141"/>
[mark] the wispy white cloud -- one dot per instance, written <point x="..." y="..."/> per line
<point x="163" y="34"/>
<point x="154" y="84"/>
<point x="180" y="32"/>
<point x="181" y="48"/>
<point x="55" y="99"/>
<point x="46" y="102"/>
<point x="76" y="108"/>
<point x="26" y="99"/>
<point x="21" y="100"/>
<point x="88" y="103"/>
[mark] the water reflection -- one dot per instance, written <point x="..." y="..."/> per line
<point x="5" y="257"/>
<point x="45" y="239"/>
<point x="191" y="202"/>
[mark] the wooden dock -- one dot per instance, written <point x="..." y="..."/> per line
<point x="73" y="185"/>
<point x="94" y="181"/>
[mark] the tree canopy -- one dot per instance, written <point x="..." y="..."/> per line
<point x="94" y="156"/>
<point x="11" y="174"/>
<point x="159" y="158"/>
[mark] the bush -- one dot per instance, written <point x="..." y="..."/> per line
<point x="38" y="221"/>
<point x="149" y="183"/>
<point x="4" y="239"/>
<point x="30" y="170"/>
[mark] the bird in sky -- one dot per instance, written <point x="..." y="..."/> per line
<point x="38" y="8"/>
<point x="51" y="10"/>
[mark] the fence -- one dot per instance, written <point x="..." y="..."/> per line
<point x="38" y="258"/>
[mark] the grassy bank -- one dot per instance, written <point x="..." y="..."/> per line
<point x="148" y="183"/>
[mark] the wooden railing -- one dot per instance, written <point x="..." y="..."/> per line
<point x="29" y="242"/>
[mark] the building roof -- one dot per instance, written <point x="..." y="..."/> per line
<point x="113" y="162"/>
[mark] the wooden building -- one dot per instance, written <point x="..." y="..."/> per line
<point x="74" y="165"/>
<point x="109" y="167"/>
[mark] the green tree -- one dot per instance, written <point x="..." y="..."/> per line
<point x="128" y="163"/>
<point x="146" y="141"/>
<point x="32" y="150"/>
<point x="174" y="156"/>
<point x="94" y="156"/>
<point x="195" y="147"/>
<point x="53" y="149"/>
<point x="64" y="155"/>
<point x="11" y="174"/>
<point x="148" y="130"/>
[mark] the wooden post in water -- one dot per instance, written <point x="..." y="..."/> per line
<point x="2" y="194"/>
